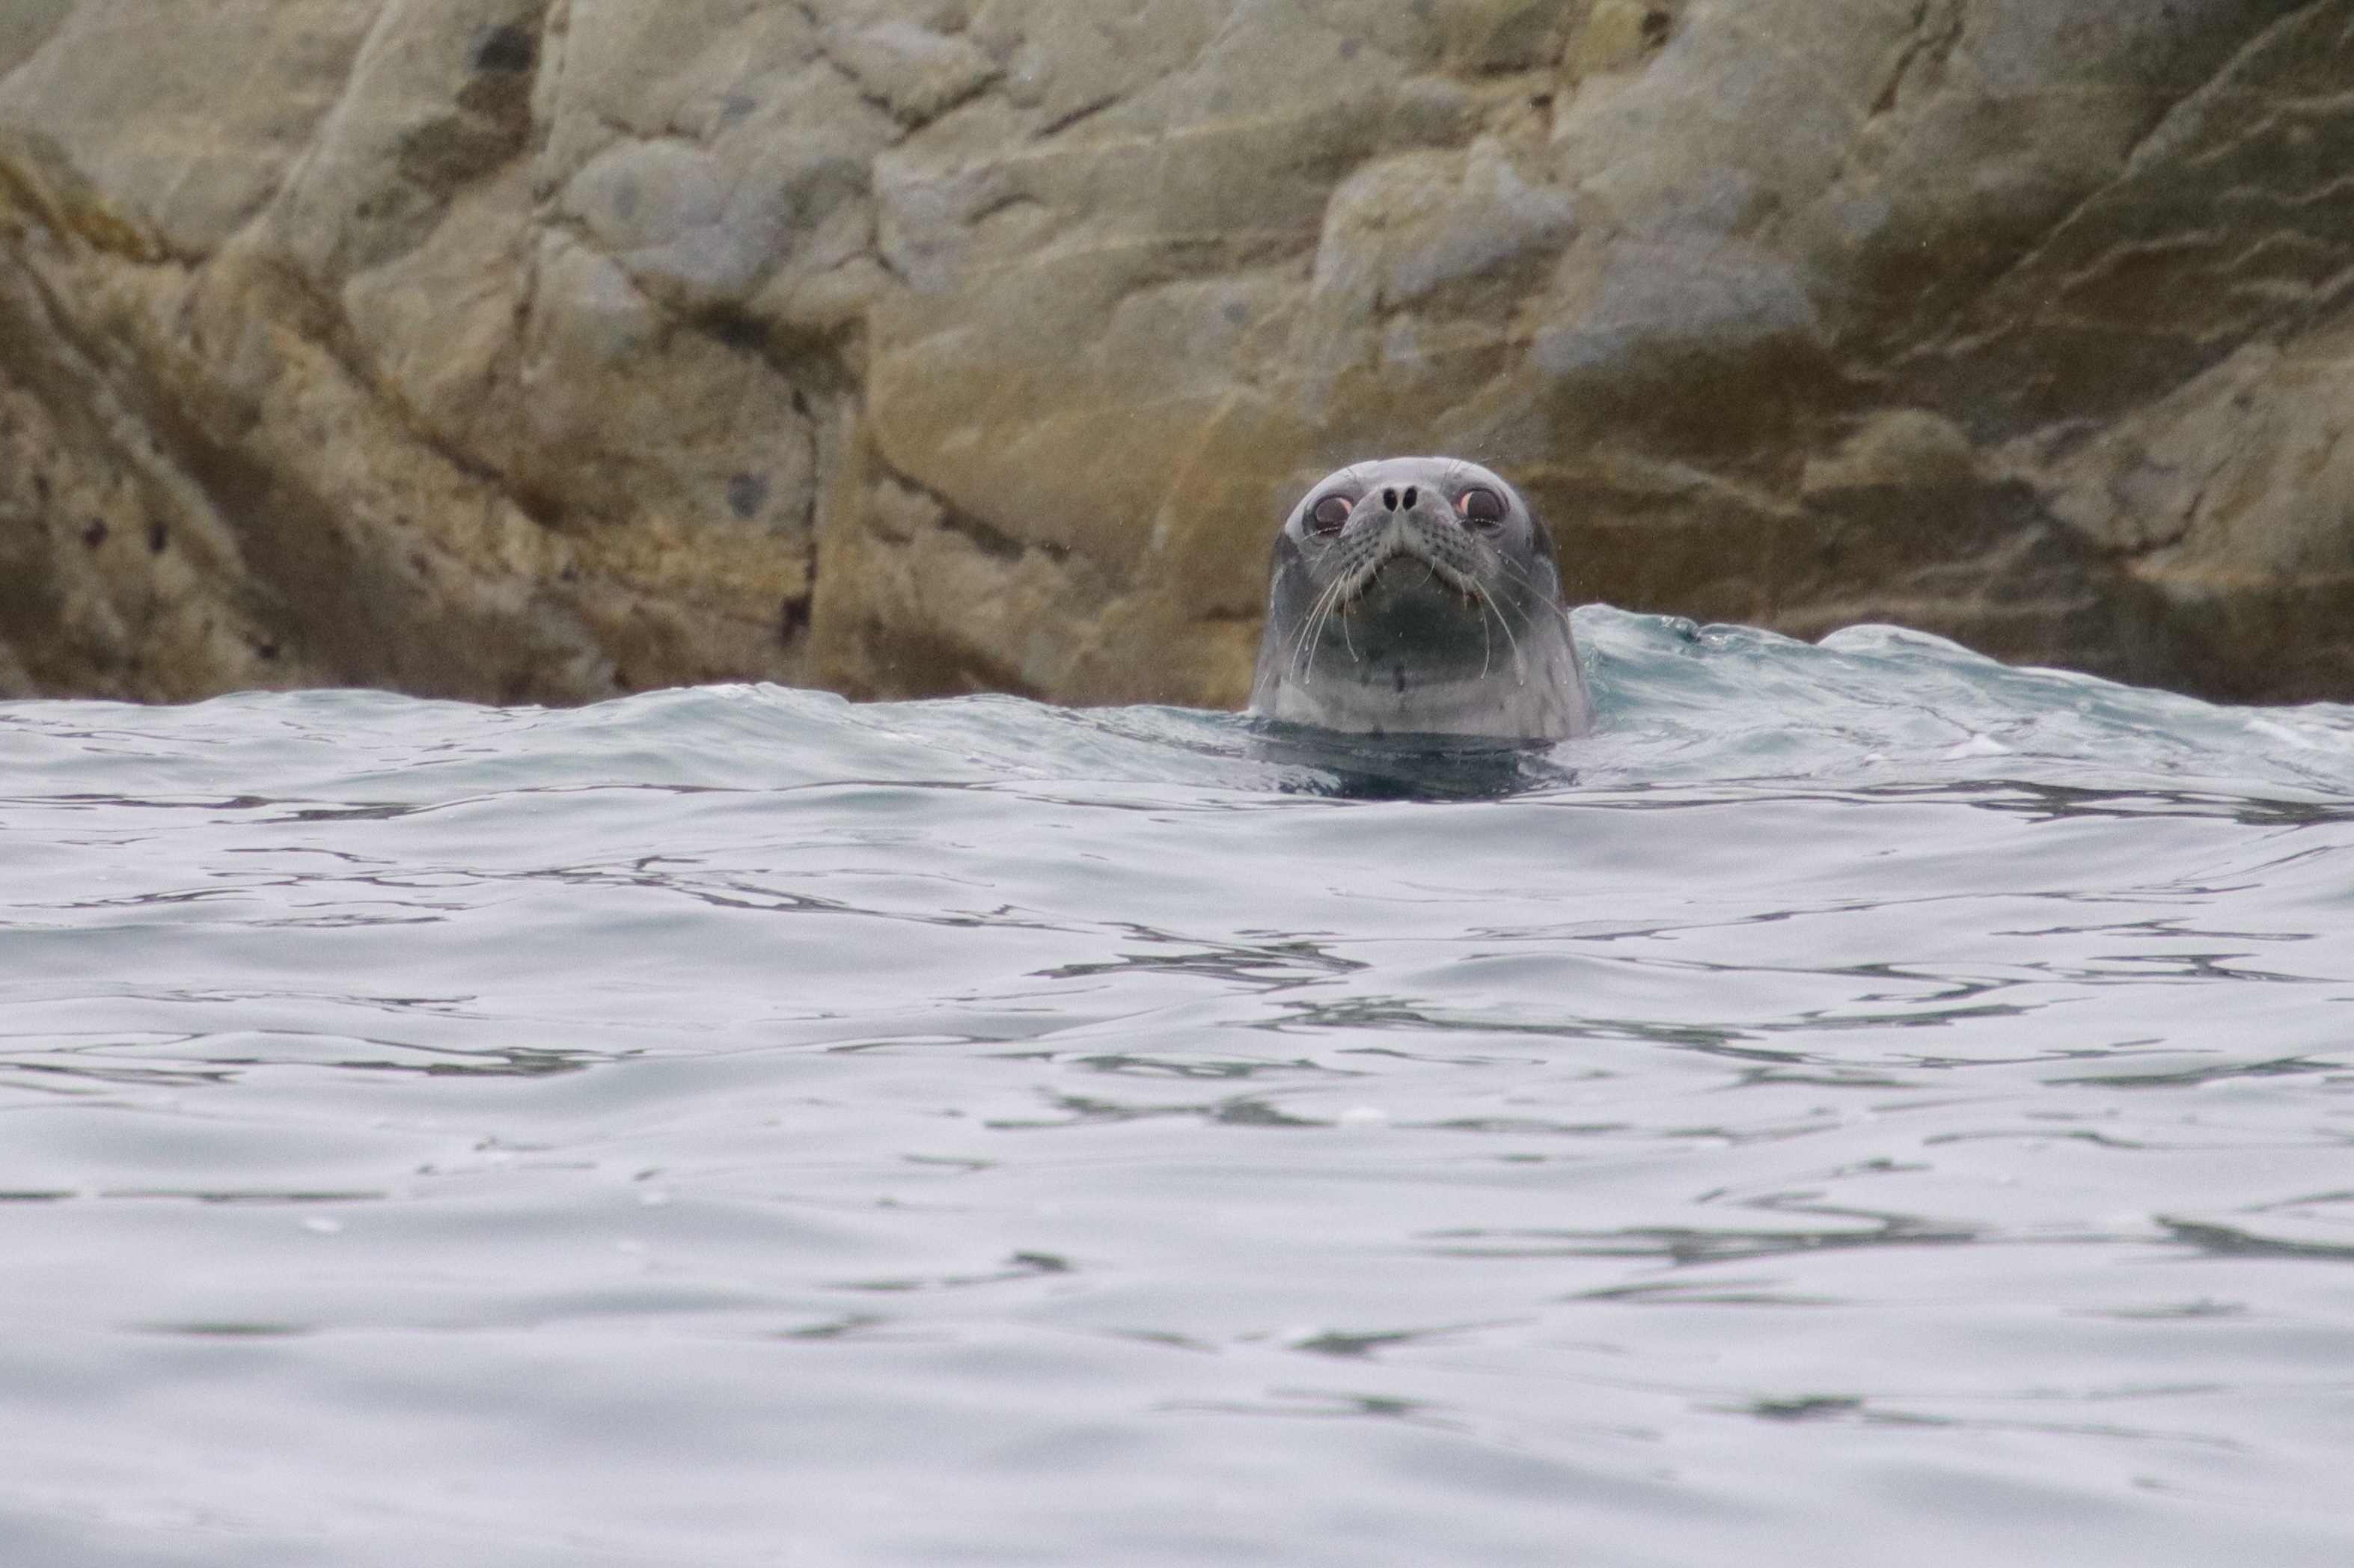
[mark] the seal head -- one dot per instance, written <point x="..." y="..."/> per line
<point x="1419" y="596"/>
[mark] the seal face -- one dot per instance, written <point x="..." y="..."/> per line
<point x="1419" y="596"/>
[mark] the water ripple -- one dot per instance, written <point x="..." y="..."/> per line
<point x="1864" y="1096"/>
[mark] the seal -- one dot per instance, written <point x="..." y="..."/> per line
<point x="1419" y="596"/>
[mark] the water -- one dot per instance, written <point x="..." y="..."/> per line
<point x="1867" y="1103"/>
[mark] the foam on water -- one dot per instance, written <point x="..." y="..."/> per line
<point x="1866" y="1100"/>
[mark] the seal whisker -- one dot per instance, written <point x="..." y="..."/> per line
<point x="1347" y="641"/>
<point x="1319" y="615"/>
<point x="1419" y="648"/>
<point x="1303" y="654"/>
<point x="1520" y="665"/>
<point x="1527" y="581"/>
<point x="1311" y="635"/>
<point x="1487" y="646"/>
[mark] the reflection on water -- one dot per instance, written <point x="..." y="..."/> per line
<point x="1406" y="767"/>
<point x="1863" y="1101"/>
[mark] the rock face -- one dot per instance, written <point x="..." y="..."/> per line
<point x="520" y="350"/>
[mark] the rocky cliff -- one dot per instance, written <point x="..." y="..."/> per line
<point x="528" y="351"/>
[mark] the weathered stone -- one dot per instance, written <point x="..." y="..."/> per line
<point x="1909" y="447"/>
<point x="25" y="26"/>
<point x="190" y="115"/>
<point x="520" y="349"/>
<point x="438" y="95"/>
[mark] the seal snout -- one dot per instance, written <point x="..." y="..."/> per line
<point x="1399" y="525"/>
<point x="1418" y="596"/>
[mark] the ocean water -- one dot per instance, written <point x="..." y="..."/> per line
<point x="1866" y="1105"/>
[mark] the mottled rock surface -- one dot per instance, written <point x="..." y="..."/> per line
<point x="520" y="350"/>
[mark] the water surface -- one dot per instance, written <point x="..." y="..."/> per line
<point x="1867" y="1103"/>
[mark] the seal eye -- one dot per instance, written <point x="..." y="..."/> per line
<point x="1481" y="505"/>
<point x="1330" y="515"/>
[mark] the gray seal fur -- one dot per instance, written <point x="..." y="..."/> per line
<point x="1414" y="616"/>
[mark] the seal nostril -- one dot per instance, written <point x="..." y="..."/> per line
<point x="1467" y="637"/>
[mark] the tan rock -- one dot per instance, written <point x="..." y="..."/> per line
<point x="515" y="348"/>
<point x="438" y="95"/>
<point x="1902" y="449"/>
<point x="189" y="115"/>
<point x="1617" y="34"/>
<point x="919" y="73"/>
<point x="25" y="26"/>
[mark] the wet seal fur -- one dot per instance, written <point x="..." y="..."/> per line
<point x="1402" y="602"/>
